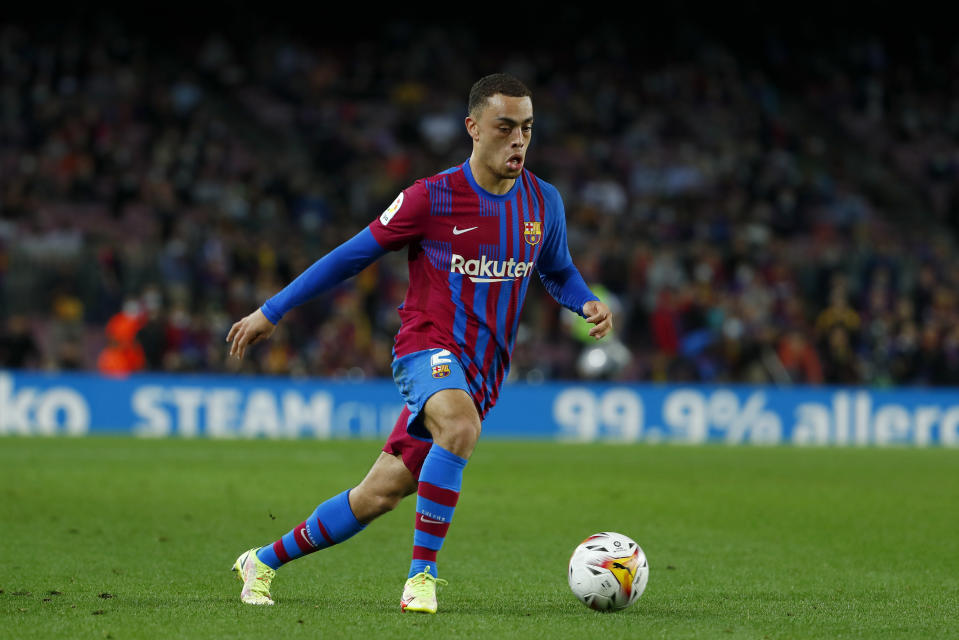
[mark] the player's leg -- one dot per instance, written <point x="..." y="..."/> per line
<point x="333" y="521"/>
<point x="442" y="427"/>
<point x="344" y="515"/>
<point x="387" y="483"/>
<point x="451" y="418"/>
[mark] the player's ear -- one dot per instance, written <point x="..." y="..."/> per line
<point x="472" y="128"/>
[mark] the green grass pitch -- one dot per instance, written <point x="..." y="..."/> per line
<point x="125" y="538"/>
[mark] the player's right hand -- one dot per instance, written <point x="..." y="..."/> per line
<point x="250" y="330"/>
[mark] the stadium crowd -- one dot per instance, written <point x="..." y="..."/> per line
<point x="789" y="217"/>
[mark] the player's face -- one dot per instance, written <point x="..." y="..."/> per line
<point x="501" y="135"/>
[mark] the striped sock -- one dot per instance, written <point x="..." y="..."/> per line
<point x="331" y="522"/>
<point x="436" y="496"/>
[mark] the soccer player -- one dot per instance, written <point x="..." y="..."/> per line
<point x="475" y="233"/>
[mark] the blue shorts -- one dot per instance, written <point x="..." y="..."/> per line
<point x="419" y="375"/>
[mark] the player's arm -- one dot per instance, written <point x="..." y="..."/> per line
<point x="343" y="262"/>
<point x="563" y="280"/>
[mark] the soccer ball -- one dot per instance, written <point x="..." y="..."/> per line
<point x="608" y="571"/>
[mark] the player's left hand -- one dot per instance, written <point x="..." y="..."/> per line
<point x="600" y="315"/>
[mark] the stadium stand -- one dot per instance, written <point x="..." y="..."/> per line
<point x="786" y="216"/>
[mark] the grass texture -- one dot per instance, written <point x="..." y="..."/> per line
<point x="126" y="538"/>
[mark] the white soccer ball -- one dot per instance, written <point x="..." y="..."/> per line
<point x="608" y="571"/>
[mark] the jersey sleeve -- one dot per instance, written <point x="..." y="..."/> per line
<point x="556" y="270"/>
<point x="403" y="221"/>
<point x="343" y="262"/>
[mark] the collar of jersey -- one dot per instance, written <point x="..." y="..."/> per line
<point x="483" y="192"/>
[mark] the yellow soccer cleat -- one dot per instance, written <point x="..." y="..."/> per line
<point x="419" y="594"/>
<point x="255" y="576"/>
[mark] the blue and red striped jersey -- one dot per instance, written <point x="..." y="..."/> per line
<point x="471" y="255"/>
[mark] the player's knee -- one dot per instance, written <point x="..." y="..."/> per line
<point x="459" y="434"/>
<point x="468" y="429"/>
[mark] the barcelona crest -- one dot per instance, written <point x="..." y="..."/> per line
<point x="441" y="370"/>
<point x="533" y="232"/>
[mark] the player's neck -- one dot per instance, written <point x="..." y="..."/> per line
<point x="489" y="182"/>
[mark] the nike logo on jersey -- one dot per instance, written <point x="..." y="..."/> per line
<point x="457" y="232"/>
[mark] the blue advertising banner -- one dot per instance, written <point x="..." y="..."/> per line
<point x="159" y="405"/>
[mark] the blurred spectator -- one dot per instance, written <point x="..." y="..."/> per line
<point x="152" y="334"/>
<point x="66" y="334"/>
<point x="837" y="314"/>
<point x="123" y="354"/>
<point x="119" y="359"/>
<point x="18" y="349"/>
<point x="840" y="364"/>
<point x="800" y="359"/>
<point x="664" y="323"/>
